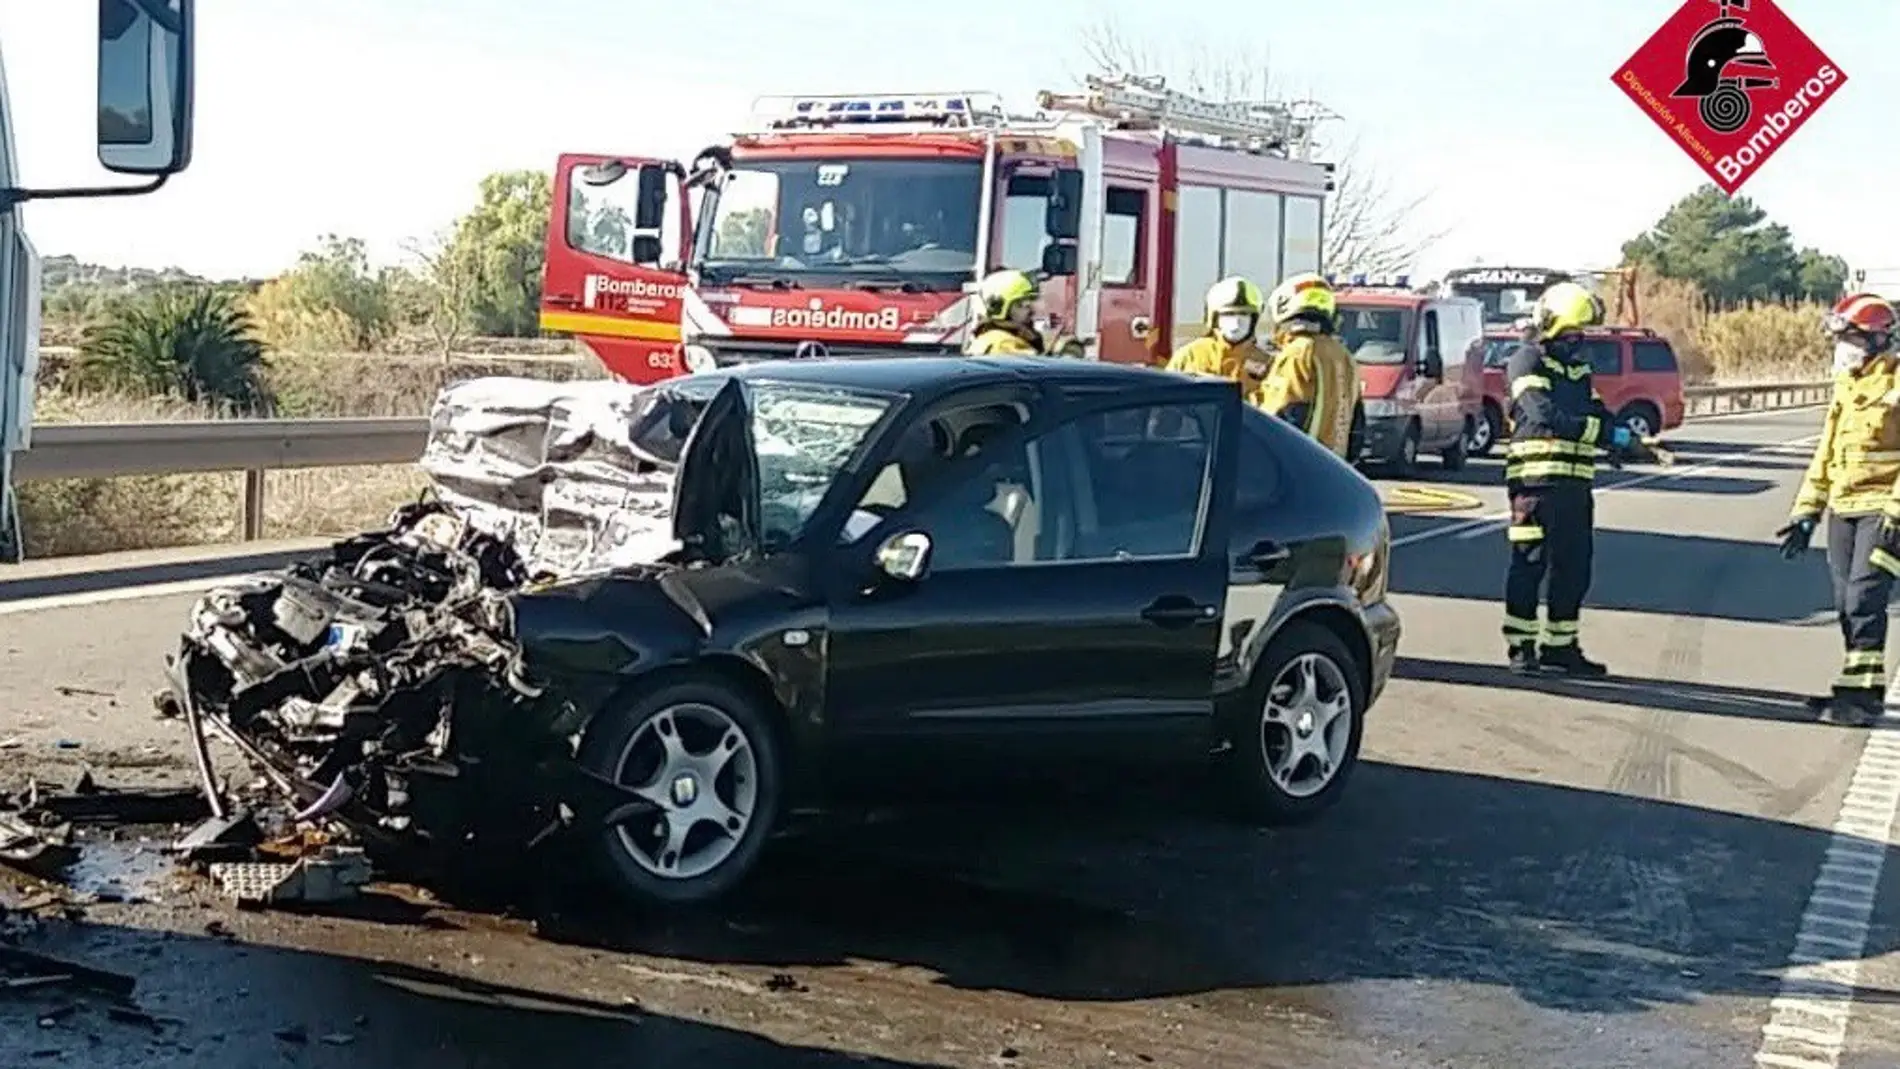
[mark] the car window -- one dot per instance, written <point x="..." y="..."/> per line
<point x="1114" y="485"/>
<point x="923" y="455"/>
<point x="1605" y="356"/>
<point x="1257" y="484"/>
<point x="1144" y="480"/>
<point x="1497" y="351"/>
<point x="1654" y="356"/>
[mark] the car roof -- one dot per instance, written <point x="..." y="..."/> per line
<point x="934" y="374"/>
<point x="1638" y="333"/>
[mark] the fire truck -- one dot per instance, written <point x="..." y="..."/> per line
<point x="1507" y="293"/>
<point x="846" y="225"/>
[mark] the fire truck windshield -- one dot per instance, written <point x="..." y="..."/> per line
<point x="1502" y="304"/>
<point x="1375" y="335"/>
<point x="837" y="221"/>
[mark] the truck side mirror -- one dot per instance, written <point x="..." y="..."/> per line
<point x="1063" y="220"/>
<point x="145" y="80"/>
<point x="1058" y="261"/>
<point x="650" y="204"/>
<point x="1433" y="364"/>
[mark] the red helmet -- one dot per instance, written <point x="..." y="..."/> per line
<point x="1862" y="313"/>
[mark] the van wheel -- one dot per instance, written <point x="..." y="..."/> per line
<point x="1641" y="418"/>
<point x="1485" y="431"/>
<point x="1404" y="459"/>
<point x="1453" y="455"/>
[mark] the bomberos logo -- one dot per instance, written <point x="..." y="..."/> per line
<point x="625" y="289"/>
<point x="836" y="317"/>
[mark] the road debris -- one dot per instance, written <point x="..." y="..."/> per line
<point x="333" y="874"/>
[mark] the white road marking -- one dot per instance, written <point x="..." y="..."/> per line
<point x="1484" y="525"/>
<point x="1807" y="1021"/>
<point x="127" y="593"/>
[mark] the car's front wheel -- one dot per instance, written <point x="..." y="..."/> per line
<point x="705" y="761"/>
<point x="1296" y="742"/>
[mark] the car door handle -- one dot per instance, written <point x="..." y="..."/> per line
<point x="1266" y="554"/>
<point x="1173" y="610"/>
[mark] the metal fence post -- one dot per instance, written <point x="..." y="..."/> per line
<point x="253" y="504"/>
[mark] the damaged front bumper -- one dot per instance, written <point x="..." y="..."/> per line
<point x="351" y="681"/>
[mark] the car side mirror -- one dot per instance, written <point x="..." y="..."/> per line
<point x="905" y="556"/>
<point x="1433" y="365"/>
<point x="145" y="80"/>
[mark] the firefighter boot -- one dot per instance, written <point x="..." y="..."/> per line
<point x="1569" y="660"/>
<point x="1524" y="658"/>
<point x="1854" y="707"/>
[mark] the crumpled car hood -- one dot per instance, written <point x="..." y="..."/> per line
<point x="552" y="468"/>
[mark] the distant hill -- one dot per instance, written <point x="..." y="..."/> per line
<point x="58" y="272"/>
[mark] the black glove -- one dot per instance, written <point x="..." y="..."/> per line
<point x="1795" y="537"/>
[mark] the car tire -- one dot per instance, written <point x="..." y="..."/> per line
<point x="1486" y="431"/>
<point x="1258" y="731"/>
<point x="1641" y="418"/>
<point x="1404" y="460"/>
<point x="1453" y="455"/>
<point x="708" y="715"/>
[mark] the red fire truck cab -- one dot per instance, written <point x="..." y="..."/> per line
<point x="852" y="224"/>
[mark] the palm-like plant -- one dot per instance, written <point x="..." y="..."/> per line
<point x="195" y="343"/>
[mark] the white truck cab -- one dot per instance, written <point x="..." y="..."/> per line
<point x="144" y="129"/>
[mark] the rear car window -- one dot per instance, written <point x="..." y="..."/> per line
<point x="1654" y="356"/>
<point x="1605" y="356"/>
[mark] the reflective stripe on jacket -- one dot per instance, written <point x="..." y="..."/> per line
<point x="1558" y="421"/>
<point x="1856" y="464"/>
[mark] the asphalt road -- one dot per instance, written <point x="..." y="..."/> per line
<point x="1523" y="874"/>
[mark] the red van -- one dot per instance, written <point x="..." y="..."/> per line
<point x="1421" y="377"/>
<point x="1633" y="368"/>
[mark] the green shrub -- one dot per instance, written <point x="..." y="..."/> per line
<point x="193" y="343"/>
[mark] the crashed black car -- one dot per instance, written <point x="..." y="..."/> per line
<point x="875" y="575"/>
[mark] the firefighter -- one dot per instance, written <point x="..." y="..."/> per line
<point x="1852" y="478"/>
<point x="1558" y="422"/>
<point x="1005" y="328"/>
<point x="1227" y="348"/>
<point x="1312" y="382"/>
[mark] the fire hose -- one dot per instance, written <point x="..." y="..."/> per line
<point x="1428" y="499"/>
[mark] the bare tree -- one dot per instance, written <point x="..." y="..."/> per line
<point x="443" y="296"/>
<point x="1369" y="227"/>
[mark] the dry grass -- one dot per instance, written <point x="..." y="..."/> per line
<point x="64" y="517"/>
<point x="1759" y="343"/>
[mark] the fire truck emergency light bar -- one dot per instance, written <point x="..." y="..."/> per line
<point x="959" y="108"/>
<point x="1371" y="282"/>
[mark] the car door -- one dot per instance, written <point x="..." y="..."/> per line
<point x="615" y="260"/>
<point x="1103" y="626"/>
<point x="1433" y="407"/>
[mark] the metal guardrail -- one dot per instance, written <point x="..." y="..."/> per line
<point x="254" y="446"/>
<point x="1752" y="397"/>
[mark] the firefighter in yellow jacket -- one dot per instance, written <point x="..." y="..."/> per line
<point x="1854" y="478"/>
<point x="1312" y="382"/>
<point x="1227" y="348"/>
<point x="1005" y="326"/>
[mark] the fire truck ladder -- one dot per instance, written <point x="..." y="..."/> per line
<point x="1279" y="127"/>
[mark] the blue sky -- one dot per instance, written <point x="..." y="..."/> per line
<point x="377" y="117"/>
